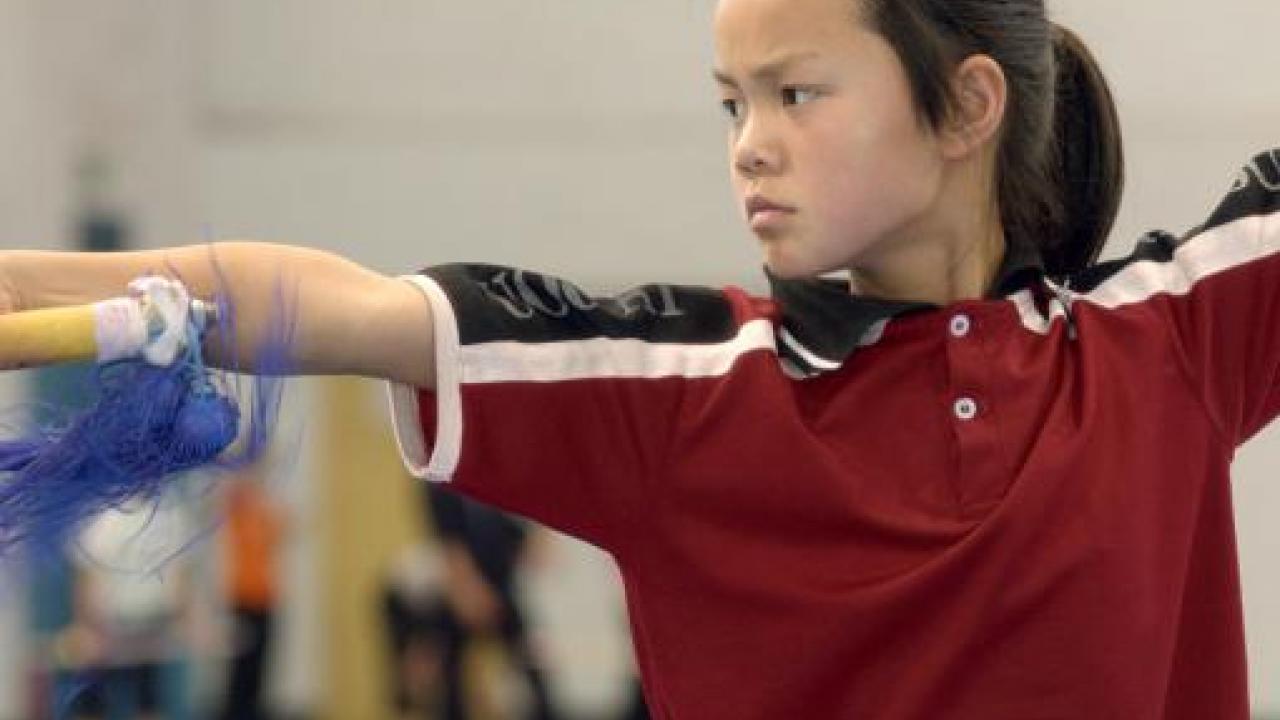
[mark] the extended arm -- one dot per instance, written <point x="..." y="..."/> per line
<point x="347" y="319"/>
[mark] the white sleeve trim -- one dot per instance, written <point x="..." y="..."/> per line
<point x="440" y="464"/>
<point x="1212" y="252"/>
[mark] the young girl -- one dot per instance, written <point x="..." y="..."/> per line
<point x="982" y="478"/>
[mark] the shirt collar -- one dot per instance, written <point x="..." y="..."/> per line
<point x="823" y="323"/>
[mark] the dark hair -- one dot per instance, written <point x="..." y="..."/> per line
<point x="1061" y="162"/>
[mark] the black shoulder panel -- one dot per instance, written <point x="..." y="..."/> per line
<point x="1255" y="191"/>
<point x="496" y="304"/>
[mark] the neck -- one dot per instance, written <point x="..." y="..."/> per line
<point x="951" y="253"/>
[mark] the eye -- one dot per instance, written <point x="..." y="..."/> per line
<point x="730" y="108"/>
<point x="798" y="95"/>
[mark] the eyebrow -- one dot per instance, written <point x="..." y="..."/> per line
<point x="767" y="71"/>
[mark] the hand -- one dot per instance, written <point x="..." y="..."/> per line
<point x="469" y="595"/>
<point x="8" y="304"/>
<point x="8" y="291"/>
<point x="539" y="551"/>
<point x="78" y="646"/>
<point x="475" y="604"/>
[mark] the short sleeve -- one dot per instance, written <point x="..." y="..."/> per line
<point x="555" y="404"/>
<point x="1224" y="302"/>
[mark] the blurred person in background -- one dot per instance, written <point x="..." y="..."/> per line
<point x="130" y="632"/>
<point x="251" y="539"/>
<point x="482" y="550"/>
<point x="413" y="609"/>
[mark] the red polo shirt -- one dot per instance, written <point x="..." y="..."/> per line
<point x="829" y="507"/>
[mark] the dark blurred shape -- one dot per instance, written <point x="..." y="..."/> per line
<point x="414" y="611"/>
<point x="637" y="708"/>
<point x="101" y="225"/>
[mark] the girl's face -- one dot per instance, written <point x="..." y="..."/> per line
<point x="827" y="155"/>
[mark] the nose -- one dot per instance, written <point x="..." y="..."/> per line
<point x="756" y="151"/>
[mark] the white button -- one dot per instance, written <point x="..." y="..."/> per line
<point x="960" y="326"/>
<point x="966" y="408"/>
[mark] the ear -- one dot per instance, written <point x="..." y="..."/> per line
<point x="981" y="97"/>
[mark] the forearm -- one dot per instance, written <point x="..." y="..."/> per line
<point x="345" y="318"/>
<point x="56" y="279"/>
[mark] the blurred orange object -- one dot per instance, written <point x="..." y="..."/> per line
<point x="252" y="533"/>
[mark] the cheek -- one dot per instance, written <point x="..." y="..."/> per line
<point x="878" y="179"/>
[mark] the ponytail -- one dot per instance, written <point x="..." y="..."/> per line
<point x="1088" y="157"/>
<point x="1060" y="167"/>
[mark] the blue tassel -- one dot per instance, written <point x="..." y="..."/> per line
<point x="146" y="427"/>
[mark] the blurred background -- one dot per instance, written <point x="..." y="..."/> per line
<point x="578" y="137"/>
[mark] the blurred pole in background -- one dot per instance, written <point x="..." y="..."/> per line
<point x="99" y="227"/>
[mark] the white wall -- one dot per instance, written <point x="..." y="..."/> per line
<point x="577" y="136"/>
<point x="573" y="136"/>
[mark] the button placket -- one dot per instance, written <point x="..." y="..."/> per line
<point x="979" y="474"/>
<point x="965" y="407"/>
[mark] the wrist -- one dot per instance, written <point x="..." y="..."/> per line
<point x="10" y="298"/>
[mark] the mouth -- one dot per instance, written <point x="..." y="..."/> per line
<point x="763" y="213"/>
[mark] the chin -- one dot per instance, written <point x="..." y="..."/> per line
<point x="787" y="260"/>
<point x="794" y="266"/>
